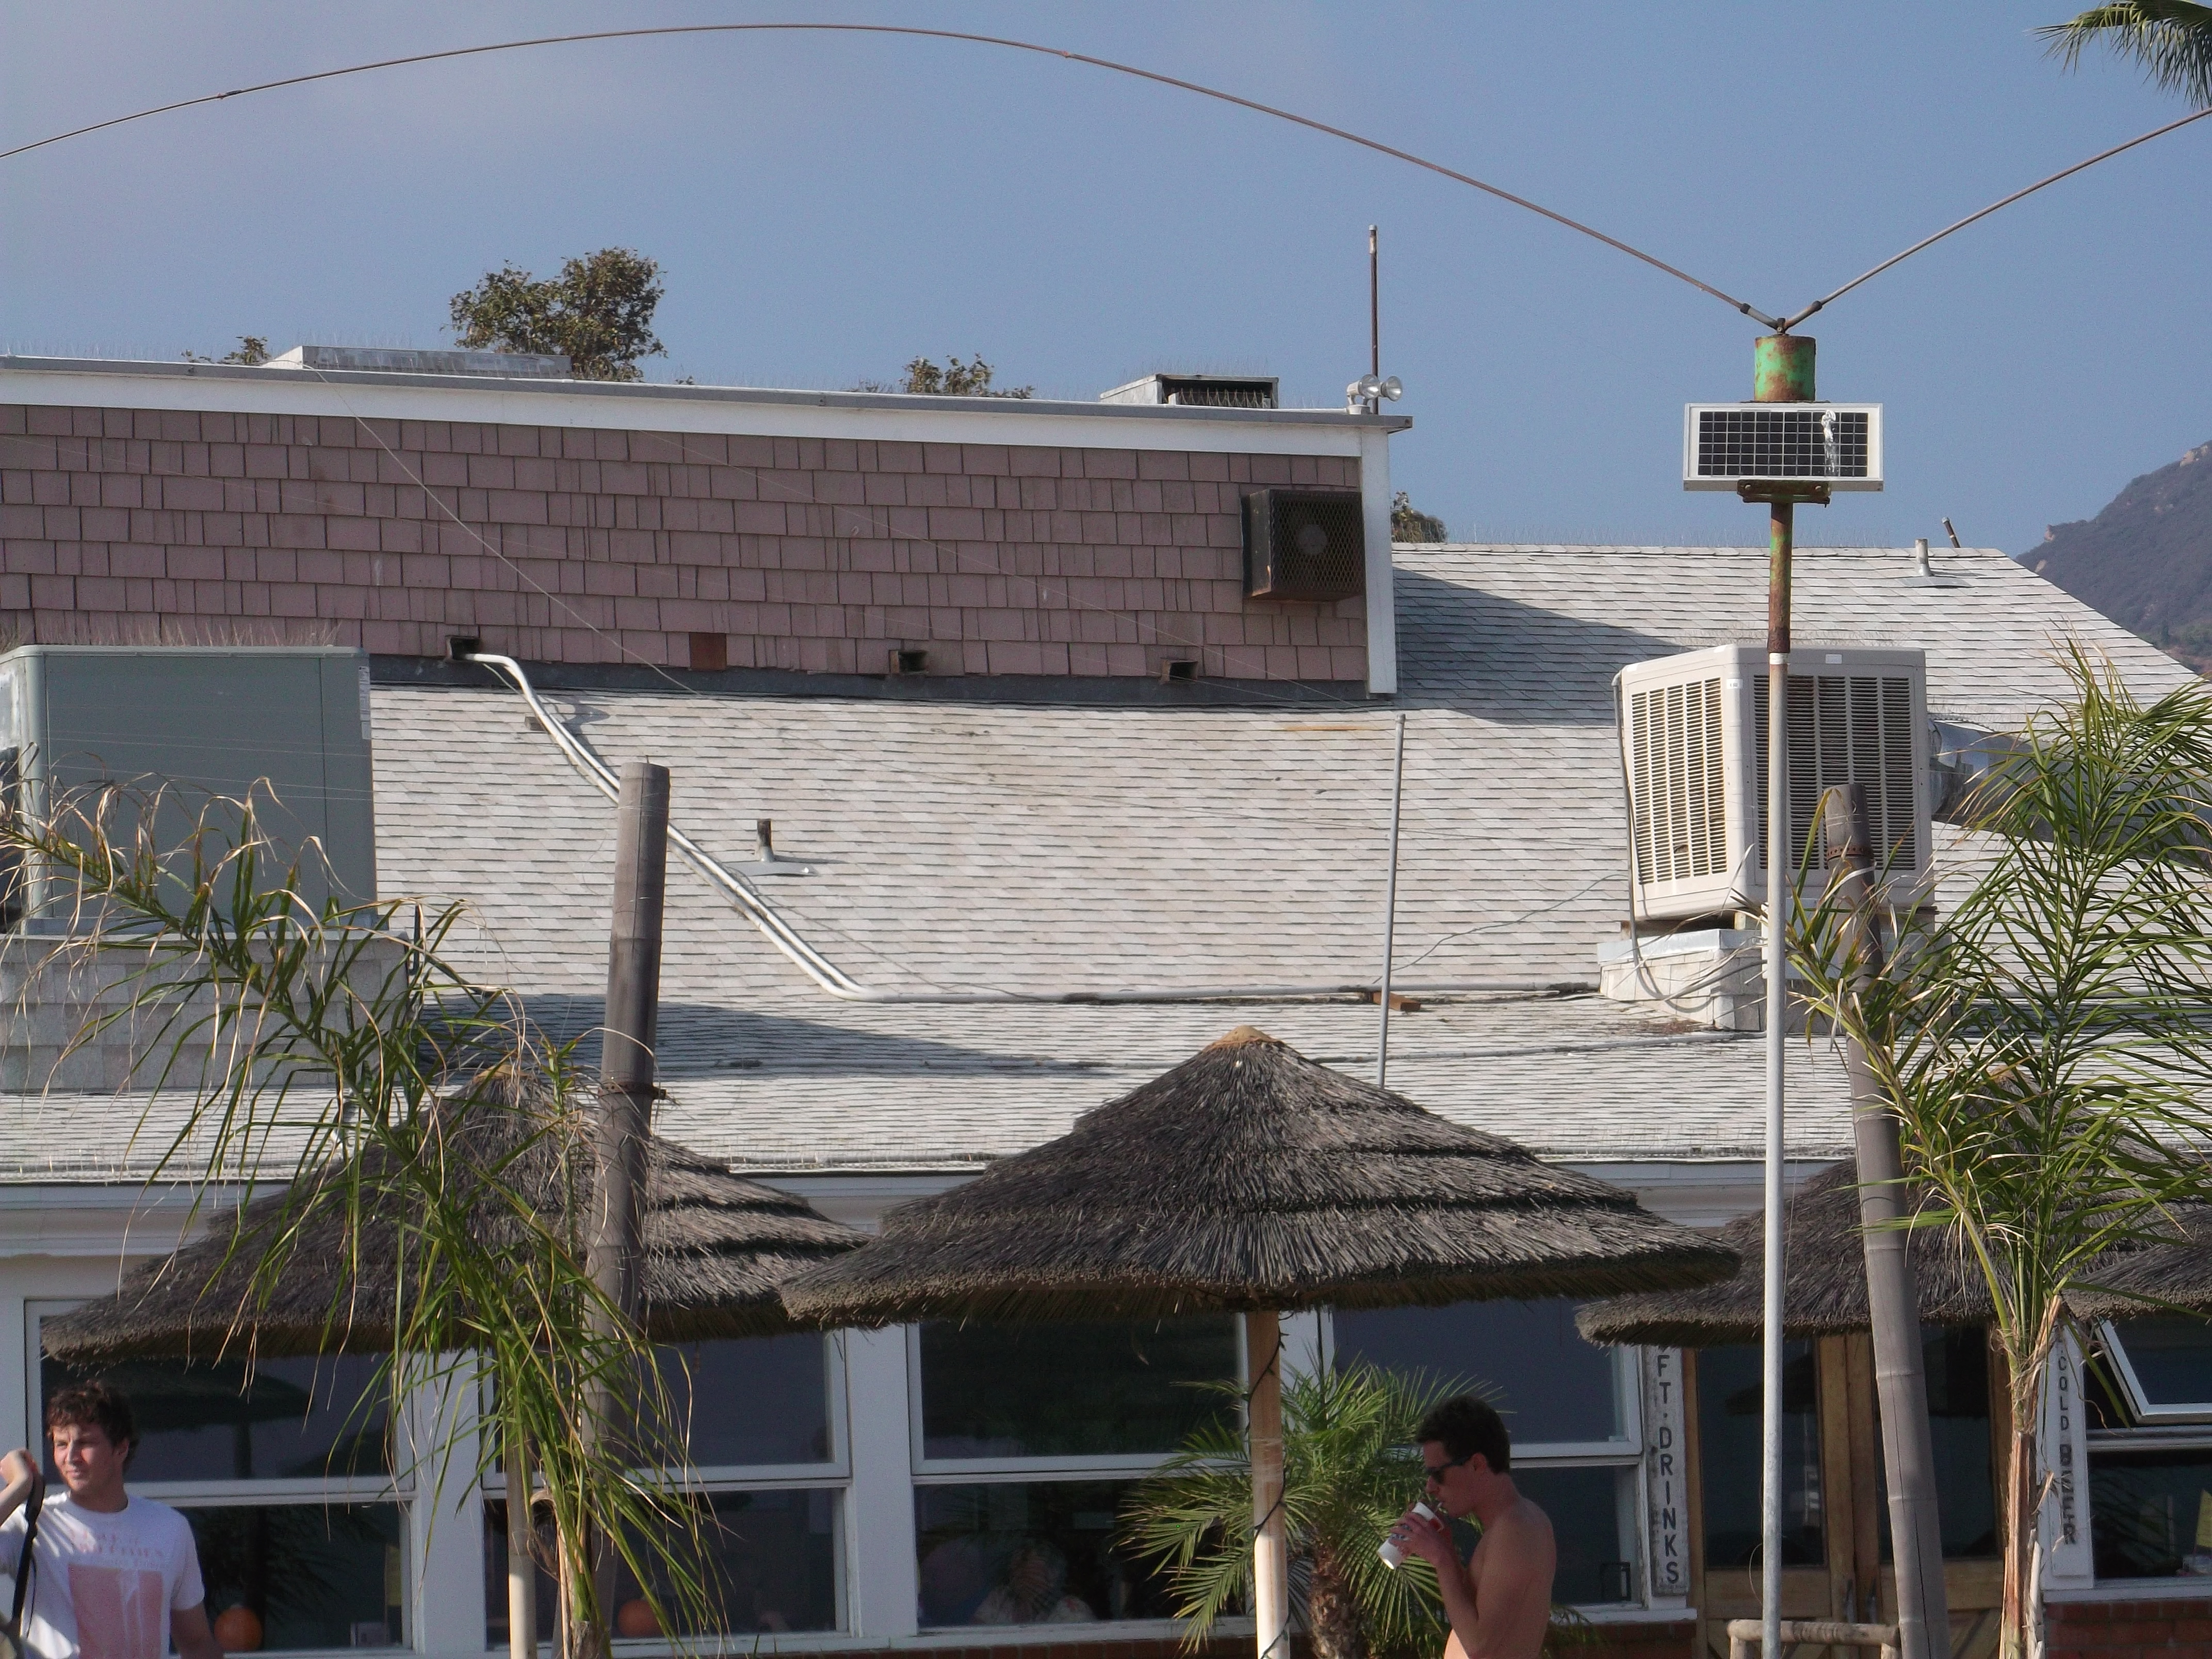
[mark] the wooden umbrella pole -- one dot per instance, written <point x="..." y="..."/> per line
<point x="1270" y="1558"/>
<point x="521" y="1571"/>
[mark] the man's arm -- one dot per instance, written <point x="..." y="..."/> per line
<point x="18" y="1474"/>
<point x="194" y="1639"/>
<point x="1433" y="1543"/>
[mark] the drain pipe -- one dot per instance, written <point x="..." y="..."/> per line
<point x="828" y="977"/>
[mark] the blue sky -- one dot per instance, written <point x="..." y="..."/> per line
<point x="826" y="208"/>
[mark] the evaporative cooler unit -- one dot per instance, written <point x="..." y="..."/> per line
<point x="1693" y="745"/>
<point x="1305" y="545"/>
<point x="179" y="728"/>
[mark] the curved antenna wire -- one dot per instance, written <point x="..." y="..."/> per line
<point x="936" y="34"/>
<point x="1788" y="323"/>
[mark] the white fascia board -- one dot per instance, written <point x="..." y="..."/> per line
<point x="64" y="1218"/>
<point x="76" y="383"/>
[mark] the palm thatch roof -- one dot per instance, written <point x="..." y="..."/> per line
<point x="1249" y="1178"/>
<point x="1825" y="1293"/>
<point x="715" y="1247"/>
<point x="2151" y="1279"/>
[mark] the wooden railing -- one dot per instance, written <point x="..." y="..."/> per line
<point x="1745" y="1634"/>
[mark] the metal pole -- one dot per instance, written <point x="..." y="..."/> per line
<point x="1924" y="1612"/>
<point x="1374" y="319"/>
<point x="521" y="1569"/>
<point x="1781" y="373"/>
<point x="1390" y="913"/>
<point x="612" y="1249"/>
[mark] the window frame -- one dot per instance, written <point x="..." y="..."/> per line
<point x="1030" y="1470"/>
<point x="392" y="1489"/>
<point x="2194" y="1418"/>
<point x="396" y="1485"/>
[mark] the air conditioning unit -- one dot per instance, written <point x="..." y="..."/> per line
<point x="1309" y="545"/>
<point x="1724" y="445"/>
<point x="289" y="724"/>
<point x="1693" y="746"/>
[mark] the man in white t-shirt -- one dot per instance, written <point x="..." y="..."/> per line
<point x="116" y="1577"/>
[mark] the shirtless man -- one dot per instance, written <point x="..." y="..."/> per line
<point x="1500" y="1604"/>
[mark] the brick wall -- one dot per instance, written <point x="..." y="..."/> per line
<point x="2127" y="1629"/>
<point x="1675" y="1640"/>
<point x="581" y="545"/>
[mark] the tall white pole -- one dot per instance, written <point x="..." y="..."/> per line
<point x="1271" y="1558"/>
<point x="1390" y="911"/>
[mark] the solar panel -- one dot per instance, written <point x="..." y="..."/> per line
<point x="1836" y="444"/>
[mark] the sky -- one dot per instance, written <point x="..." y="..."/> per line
<point x="826" y="207"/>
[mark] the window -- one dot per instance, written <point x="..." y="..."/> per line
<point x="285" y="1475"/>
<point x="1956" y="1365"/>
<point x="768" y="1473"/>
<point x="1730" y="1403"/>
<point x="1570" y="1407"/>
<point x="2149" y="1397"/>
<point x="1027" y="1440"/>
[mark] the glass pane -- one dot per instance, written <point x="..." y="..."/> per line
<point x="771" y="1564"/>
<point x="1730" y="1398"/>
<point x="1551" y="1385"/>
<point x="764" y="1401"/>
<point x="2151" y="1513"/>
<point x="1072" y="1390"/>
<point x="1593" y="1519"/>
<point x="1957" y="1366"/>
<point x="293" y="1418"/>
<point x="2172" y="1359"/>
<point x="1036" y="1555"/>
<point x="302" y="1575"/>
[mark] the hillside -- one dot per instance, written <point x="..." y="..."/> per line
<point x="2146" y="561"/>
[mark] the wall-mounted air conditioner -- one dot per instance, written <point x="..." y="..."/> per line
<point x="1309" y="545"/>
<point x="1693" y="746"/>
<point x="1838" y="445"/>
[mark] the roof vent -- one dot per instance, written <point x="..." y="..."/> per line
<point x="1307" y="545"/>
<point x="1199" y="391"/>
<point x="382" y="359"/>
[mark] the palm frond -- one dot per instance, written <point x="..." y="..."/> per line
<point x="2170" y="39"/>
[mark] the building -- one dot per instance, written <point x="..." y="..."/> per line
<point x="1147" y="860"/>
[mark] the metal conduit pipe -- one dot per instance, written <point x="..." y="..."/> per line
<point x="829" y="977"/>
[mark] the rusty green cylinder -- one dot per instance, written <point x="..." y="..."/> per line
<point x="1781" y="369"/>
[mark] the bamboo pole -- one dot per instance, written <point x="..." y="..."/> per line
<point x="1923" y="1614"/>
<point x="1271" y="1561"/>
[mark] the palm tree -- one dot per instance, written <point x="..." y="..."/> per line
<point x="2045" y="1047"/>
<point x="1350" y="1467"/>
<point x="2172" y="40"/>
<point x="332" y="1052"/>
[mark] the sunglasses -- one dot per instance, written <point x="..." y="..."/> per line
<point x="1436" y="1471"/>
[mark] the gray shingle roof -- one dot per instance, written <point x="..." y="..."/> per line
<point x="1056" y="848"/>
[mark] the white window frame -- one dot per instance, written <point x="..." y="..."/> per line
<point x="1046" y="1471"/>
<point x="2197" y="1412"/>
<point x="394" y="1490"/>
<point x="834" y="1475"/>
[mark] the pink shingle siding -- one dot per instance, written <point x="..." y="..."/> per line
<point x="580" y="545"/>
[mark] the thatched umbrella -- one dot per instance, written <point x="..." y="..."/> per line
<point x="715" y="1247"/>
<point x="1249" y="1179"/>
<point x="1826" y="1294"/>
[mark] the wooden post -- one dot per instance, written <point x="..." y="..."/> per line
<point x="1923" y="1613"/>
<point x="612" y="1246"/>
<point x="1271" y="1561"/>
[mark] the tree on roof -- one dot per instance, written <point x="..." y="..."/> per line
<point x="597" y="313"/>
<point x="2170" y="39"/>
<point x="925" y="378"/>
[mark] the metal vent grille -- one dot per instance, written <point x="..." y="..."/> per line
<point x="1788" y="442"/>
<point x="1305" y="545"/>
<point x="1679" y="781"/>
<point x="1844" y="729"/>
<point x="1193" y="392"/>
